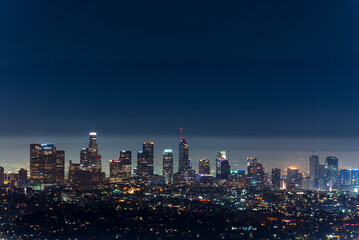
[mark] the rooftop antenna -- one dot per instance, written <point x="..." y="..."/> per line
<point x="181" y="132"/>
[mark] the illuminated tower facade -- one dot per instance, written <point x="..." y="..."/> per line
<point x="75" y="171"/>
<point x="93" y="157"/>
<point x="84" y="157"/>
<point x="204" y="167"/>
<point x="89" y="157"/>
<point x="222" y="165"/>
<point x="125" y="159"/>
<point x="36" y="165"/>
<point x="167" y="169"/>
<point x="331" y="172"/>
<point x="145" y="160"/>
<point x="255" y="172"/>
<point x="43" y="163"/>
<point x="115" y="169"/>
<point x="60" y="165"/>
<point x="93" y="148"/>
<point x="251" y="163"/>
<point x="294" y="177"/>
<point x="184" y="162"/>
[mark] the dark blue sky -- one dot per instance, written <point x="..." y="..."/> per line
<point x="261" y="68"/>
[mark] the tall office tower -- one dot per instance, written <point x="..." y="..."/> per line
<point x="60" y="166"/>
<point x="321" y="179"/>
<point x="222" y="165"/>
<point x="125" y="159"/>
<point x="294" y="176"/>
<point x="22" y="177"/>
<point x="145" y="160"/>
<point x="331" y="172"/>
<point x="2" y="176"/>
<point x="90" y="161"/>
<point x="167" y="169"/>
<point x="184" y="162"/>
<point x="355" y="176"/>
<point x="345" y="177"/>
<point x="257" y="174"/>
<point x="43" y="163"/>
<point x="204" y="167"/>
<point x="84" y="157"/>
<point x="93" y="148"/>
<point x="115" y="169"/>
<point x="36" y="165"/>
<point x="276" y="177"/>
<point x="251" y="163"/>
<point x="139" y="168"/>
<point x="73" y="169"/>
<point x="314" y="170"/>
<point x="92" y="153"/>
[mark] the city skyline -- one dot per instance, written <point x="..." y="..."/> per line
<point x="238" y="157"/>
<point x="47" y="166"/>
<point x="179" y="119"/>
<point x="259" y="88"/>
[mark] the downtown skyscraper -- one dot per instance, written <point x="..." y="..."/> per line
<point x="89" y="170"/>
<point x="60" y="165"/>
<point x="89" y="157"/>
<point x="185" y="172"/>
<point x="255" y="172"/>
<point x="125" y="159"/>
<point x="46" y="163"/>
<point x="167" y="169"/>
<point x="222" y="165"/>
<point x="204" y="167"/>
<point x="120" y="169"/>
<point x="314" y="170"/>
<point x="331" y="172"/>
<point x="145" y="160"/>
<point x="276" y="177"/>
<point x="294" y="177"/>
<point x="184" y="163"/>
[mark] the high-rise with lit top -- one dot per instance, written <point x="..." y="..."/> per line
<point x="89" y="157"/>
<point x="167" y="169"/>
<point x="222" y="165"/>
<point x="294" y="177"/>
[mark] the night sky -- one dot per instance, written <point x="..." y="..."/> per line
<point x="147" y="68"/>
